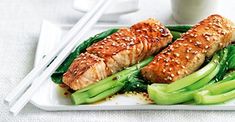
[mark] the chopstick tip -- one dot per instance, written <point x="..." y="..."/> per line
<point x="13" y="112"/>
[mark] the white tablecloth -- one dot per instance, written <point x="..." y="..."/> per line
<point x="19" y="30"/>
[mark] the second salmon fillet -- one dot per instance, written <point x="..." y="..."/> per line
<point x="188" y="53"/>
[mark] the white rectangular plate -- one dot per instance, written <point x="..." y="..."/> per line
<point x="50" y="97"/>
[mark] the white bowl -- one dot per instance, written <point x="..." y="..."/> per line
<point x="192" y="11"/>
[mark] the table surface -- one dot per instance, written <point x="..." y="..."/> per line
<point x="20" y="22"/>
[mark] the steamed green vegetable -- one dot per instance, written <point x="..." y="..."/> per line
<point x="217" y="93"/>
<point x="157" y="92"/>
<point x="204" y="80"/>
<point x="107" y="86"/>
<point x="223" y="90"/>
<point x="175" y="35"/>
<point x="223" y="64"/>
<point x="135" y="83"/>
<point x="231" y="57"/>
<point x="179" y="28"/>
<point x="228" y="76"/>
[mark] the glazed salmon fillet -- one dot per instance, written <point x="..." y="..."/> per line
<point x="86" y="68"/>
<point x="189" y="52"/>
<point x="122" y="49"/>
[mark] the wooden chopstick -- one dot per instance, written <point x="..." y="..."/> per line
<point x="20" y="88"/>
<point x="22" y="101"/>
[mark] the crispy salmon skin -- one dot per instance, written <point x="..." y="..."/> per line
<point x="122" y="49"/>
<point x="188" y="53"/>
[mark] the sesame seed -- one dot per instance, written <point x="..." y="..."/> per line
<point x="218" y="25"/>
<point x="178" y="72"/>
<point x="189" y="48"/>
<point x="204" y="51"/>
<point x="220" y="44"/>
<point x="170" y="69"/>
<point x="219" y="31"/>
<point x="187" y="51"/>
<point x="164" y="70"/>
<point x="187" y="57"/>
<point x="197" y="43"/>
<point x="101" y="47"/>
<point x="223" y="32"/>
<point x="169" y="78"/>
<point x="165" y="34"/>
<point x="113" y="44"/>
<point x="228" y="25"/>
<point x="166" y="60"/>
<point x="177" y="62"/>
<point x="195" y="52"/>
<point x="169" y="49"/>
<point x="164" y="51"/>
<point x="145" y="29"/>
<point x="192" y="34"/>
<point x="131" y="43"/>
<point x="176" y="54"/>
